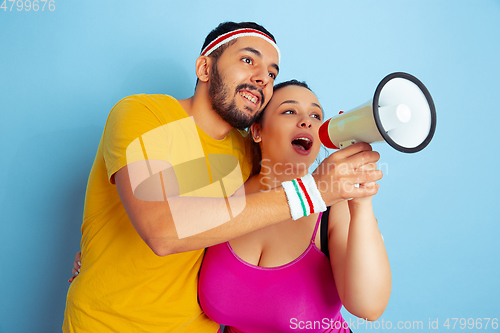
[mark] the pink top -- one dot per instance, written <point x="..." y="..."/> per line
<point x="300" y="295"/>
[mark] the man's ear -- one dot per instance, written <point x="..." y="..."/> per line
<point x="203" y="68"/>
<point x="255" y="129"/>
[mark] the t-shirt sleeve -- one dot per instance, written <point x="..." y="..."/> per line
<point x="127" y="122"/>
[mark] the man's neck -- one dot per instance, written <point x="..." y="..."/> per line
<point x="199" y="107"/>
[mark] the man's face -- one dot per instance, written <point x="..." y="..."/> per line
<point x="241" y="81"/>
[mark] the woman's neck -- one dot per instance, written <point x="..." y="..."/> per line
<point x="273" y="174"/>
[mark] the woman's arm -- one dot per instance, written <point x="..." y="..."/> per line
<point x="359" y="260"/>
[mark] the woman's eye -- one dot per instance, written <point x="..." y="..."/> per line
<point x="289" y="112"/>
<point x="247" y="60"/>
<point x="317" y="116"/>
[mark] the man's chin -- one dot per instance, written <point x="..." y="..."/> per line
<point x="239" y="118"/>
<point x="242" y="119"/>
<point x="242" y="125"/>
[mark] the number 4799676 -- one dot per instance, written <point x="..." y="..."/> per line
<point x="28" y="5"/>
<point x="471" y="323"/>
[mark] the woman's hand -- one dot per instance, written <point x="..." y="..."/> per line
<point x="76" y="266"/>
<point x="338" y="174"/>
<point x="366" y="201"/>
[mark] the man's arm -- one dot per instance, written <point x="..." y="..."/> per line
<point x="154" y="221"/>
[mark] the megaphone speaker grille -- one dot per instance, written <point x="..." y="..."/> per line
<point x="404" y="112"/>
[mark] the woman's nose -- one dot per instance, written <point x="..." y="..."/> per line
<point x="305" y="123"/>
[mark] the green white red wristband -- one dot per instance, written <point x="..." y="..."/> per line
<point x="303" y="197"/>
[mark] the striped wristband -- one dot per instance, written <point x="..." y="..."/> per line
<point x="303" y="197"/>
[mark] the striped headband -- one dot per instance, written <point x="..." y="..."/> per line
<point x="229" y="36"/>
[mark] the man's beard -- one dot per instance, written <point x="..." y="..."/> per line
<point x="229" y="112"/>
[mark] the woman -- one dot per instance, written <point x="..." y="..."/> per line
<point x="277" y="279"/>
<point x="285" y="277"/>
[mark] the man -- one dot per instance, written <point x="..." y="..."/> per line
<point x="160" y="191"/>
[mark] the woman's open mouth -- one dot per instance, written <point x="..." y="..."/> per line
<point x="303" y="143"/>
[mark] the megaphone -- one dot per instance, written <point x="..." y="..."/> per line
<point x="401" y="113"/>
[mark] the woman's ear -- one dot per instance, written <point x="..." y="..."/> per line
<point x="255" y="129"/>
<point x="203" y="67"/>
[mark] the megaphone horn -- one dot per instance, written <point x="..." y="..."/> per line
<point x="402" y="113"/>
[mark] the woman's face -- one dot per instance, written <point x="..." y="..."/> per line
<point x="288" y="133"/>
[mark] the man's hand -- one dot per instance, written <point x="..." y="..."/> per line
<point x="338" y="174"/>
<point x="76" y="266"/>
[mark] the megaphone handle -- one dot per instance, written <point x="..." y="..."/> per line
<point x="347" y="143"/>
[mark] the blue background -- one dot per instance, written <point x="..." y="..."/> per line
<point x="62" y="71"/>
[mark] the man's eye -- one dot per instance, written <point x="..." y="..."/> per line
<point x="289" y="112"/>
<point x="272" y="75"/>
<point x="247" y="60"/>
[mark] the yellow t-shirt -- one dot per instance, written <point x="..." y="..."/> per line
<point x="123" y="286"/>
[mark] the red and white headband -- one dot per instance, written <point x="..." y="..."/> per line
<point x="229" y="36"/>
